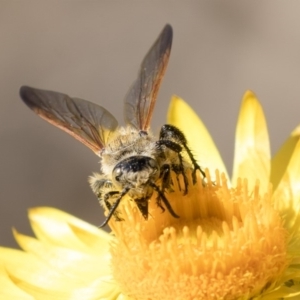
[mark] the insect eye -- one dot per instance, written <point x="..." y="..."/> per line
<point x="118" y="174"/>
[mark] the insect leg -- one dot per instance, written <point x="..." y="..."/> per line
<point x="114" y="207"/>
<point x="171" y="132"/>
<point x="164" y="199"/>
<point x="158" y="202"/>
<point x="142" y="205"/>
<point x="105" y="191"/>
<point x="176" y="148"/>
<point x="165" y="176"/>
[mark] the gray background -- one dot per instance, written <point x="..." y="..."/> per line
<point x="92" y="50"/>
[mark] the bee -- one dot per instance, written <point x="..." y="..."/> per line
<point x="133" y="161"/>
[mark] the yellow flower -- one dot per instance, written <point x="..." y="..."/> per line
<point x="237" y="239"/>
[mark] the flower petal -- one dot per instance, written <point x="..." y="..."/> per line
<point x="76" y="265"/>
<point x="16" y="258"/>
<point x="284" y="292"/>
<point x="98" y="289"/>
<point x="287" y="194"/>
<point x="123" y="297"/>
<point x="26" y="267"/>
<point x="252" y="148"/>
<point x="181" y="115"/>
<point x="9" y="290"/>
<point x="52" y="272"/>
<point x="282" y="158"/>
<point x="61" y="229"/>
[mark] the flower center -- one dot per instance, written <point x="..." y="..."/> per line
<point x="227" y="244"/>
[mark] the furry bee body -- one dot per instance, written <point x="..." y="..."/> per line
<point x="133" y="161"/>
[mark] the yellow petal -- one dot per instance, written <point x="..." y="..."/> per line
<point x="181" y="115"/>
<point x="62" y="229"/>
<point x="9" y="290"/>
<point x="52" y="272"/>
<point x="287" y="194"/>
<point x="16" y="258"/>
<point x="78" y="266"/>
<point x="26" y="267"/>
<point x="123" y="297"/>
<point x="282" y="158"/>
<point x="284" y="292"/>
<point x="98" y="289"/>
<point x="252" y="148"/>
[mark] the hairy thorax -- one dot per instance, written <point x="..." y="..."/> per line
<point x="125" y="143"/>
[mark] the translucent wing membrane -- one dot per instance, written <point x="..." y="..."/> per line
<point x="85" y="121"/>
<point x="140" y="101"/>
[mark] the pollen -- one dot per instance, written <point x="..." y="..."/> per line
<point x="229" y="243"/>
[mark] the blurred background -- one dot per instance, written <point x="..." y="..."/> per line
<point x="93" y="49"/>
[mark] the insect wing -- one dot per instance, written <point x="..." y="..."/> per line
<point x="85" y="121"/>
<point x="140" y="101"/>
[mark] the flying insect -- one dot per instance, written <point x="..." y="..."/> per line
<point x="133" y="161"/>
